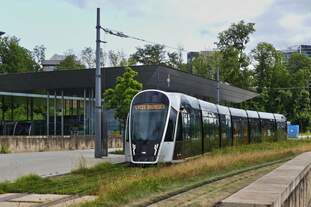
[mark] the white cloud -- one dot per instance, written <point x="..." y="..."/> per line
<point x="195" y="24"/>
<point x="294" y="21"/>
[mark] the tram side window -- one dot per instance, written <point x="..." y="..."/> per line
<point x="245" y="131"/>
<point x="186" y="125"/>
<point x="267" y="129"/>
<point x="254" y="128"/>
<point x="211" y="127"/>
<point x="226" y="137"/>
<point x="179" y="133"/>
<point x="191" y="124"/>
<point x="195" y="124"/>
<point x="169" y="136"/>
<point x="236" y="130"/>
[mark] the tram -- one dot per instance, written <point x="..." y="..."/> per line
<point x="168" y="127"/>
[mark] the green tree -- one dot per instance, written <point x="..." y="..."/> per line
<point x="15" y="58"/>
<point x="120" y="97"/>
<point x="38" y="54"/>
<point x="88" y="57"/>
<point x="205" y="65"/>
<point x="175" y="59"/>
<point x="298" y="62"/>
<point x="156" y="54"/>
<point x="70" y="63"/>
<point x="149" y="55"/>
<point x="117" y="58"/>
<point x="235" y="62"/>
<point x="301" y="111"/>
<point x="237" y="36"/>
<point x="270" y="76"/>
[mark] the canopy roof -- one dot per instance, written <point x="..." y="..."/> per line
<point x="73" y="82"/>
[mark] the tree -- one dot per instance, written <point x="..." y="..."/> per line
<point x="298" y="62"/>
<point x="301" y="111"/>
<point x="205" y="65"/>
<point x="15" y="58"/>
<point x="120" y="97"/>
<point x="70" y="63"/>
<point x="88" y="57"/>
<point x="237" y="36"/>
<point x="266" y="59"/>
<point x="156" y="54"/>
<point x="117" y="58"/>
<point x="232" y="43"/>
<point x="149" y="55"/>
<point x="174" y="59"/>
<point x="39" y="54"/>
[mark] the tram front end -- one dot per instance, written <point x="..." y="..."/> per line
<point x="147" y="124"/>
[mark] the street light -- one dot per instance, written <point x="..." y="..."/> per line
<point x="1" y="33"/>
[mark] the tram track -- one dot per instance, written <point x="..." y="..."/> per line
<point x="171" y="197"/>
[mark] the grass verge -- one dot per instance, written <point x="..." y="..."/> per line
<point x="118" y="184"/>
<point x="4" y="149"/>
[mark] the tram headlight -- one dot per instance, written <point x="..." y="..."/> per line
<point x="134" y="149"/>
<point x="156" y="146"/>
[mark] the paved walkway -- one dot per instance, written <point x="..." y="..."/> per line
<point x="37" y="200"/>
<point x="45" y="164"/>
<point x="288" y="185"/>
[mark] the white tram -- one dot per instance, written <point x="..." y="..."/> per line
<point x="167" y="127"/>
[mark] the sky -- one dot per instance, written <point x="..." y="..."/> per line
<point x="62" y="25"/>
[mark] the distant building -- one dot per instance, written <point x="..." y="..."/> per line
<point x="191" y="55"/>
<point x="302" y="49"/>
<point x="52" y="63"/>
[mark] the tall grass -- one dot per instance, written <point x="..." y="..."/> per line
<point x="142" y="183"/>
<point x="119" y="184"/>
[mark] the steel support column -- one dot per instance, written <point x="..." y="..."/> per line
<point x="3" y="114"/>
<point x="90" y="117"/>
<point x="84" y="112"/>
<point x="27" y="108"/>
<point x="31" y="109"/>
<point x="62" y="121"/>
<point x="92" y="103"/>
<point x="48" y="114"/>
<point x="12" y="109"/>
<point x="55" y="113"/>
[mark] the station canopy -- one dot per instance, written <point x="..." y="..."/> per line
<point x="74" y="82"/>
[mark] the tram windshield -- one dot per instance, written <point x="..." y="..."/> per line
<point x="148" y="116"/>
<point x="148" y="121"/>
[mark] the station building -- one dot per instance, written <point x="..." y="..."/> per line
<point x="61" y="103"/>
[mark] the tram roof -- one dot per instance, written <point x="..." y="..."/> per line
<point x="238" y="112"/>
<point x="279" y="117"/>
<point x="265" y="115"/>
<point x="252" y="114"/>
<point x="161" y="77"/>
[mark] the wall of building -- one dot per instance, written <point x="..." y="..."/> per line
<point x="52" y="143"/>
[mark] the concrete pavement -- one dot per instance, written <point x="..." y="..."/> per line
<point x="45" y="164"/>
<point x="289" y="185"/>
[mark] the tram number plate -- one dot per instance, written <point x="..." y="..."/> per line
<point x="145" y="107"/>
